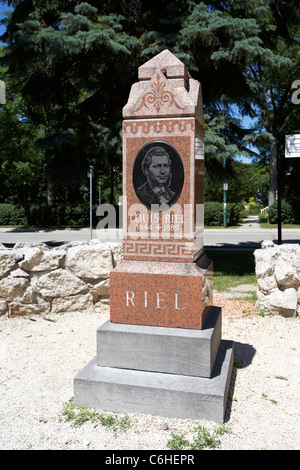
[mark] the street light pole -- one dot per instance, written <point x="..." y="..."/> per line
<point x="91" y="174"/>
<point x="225" y="188"/>
<point x="279" y="194"/>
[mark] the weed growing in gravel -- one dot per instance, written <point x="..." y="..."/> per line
<point x="178" y="442"/>
<point x="202" y="438"/>
<point x="261" y="313"/>
<point x="265" y="396"/>
<point x="238" y="365"/>
<point x="79" y="415"/>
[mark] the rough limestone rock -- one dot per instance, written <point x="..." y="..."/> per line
<point x="267" y="244"/>
<point x="12" y="289"/>
<point x="266" y="261"/>
<point x="74" y="277"/>
<point x="3" y="306"/>
<point x="18" y="308"/>
<point x="19" y="273"/>
<point x="279" y="302"/>
<point x="25" y="245"/>
<point x="117" y="252"/>
<point x="267" y="284"/>
<point x="73" y="303"/>
<point x="41" y="259"/>
<point x="278" y="278"/>
<point x="298" y="302"/>
<point x="101" y="288"/>
<point x="60" y="283"/>
<point x="92" y="261"/>
<point x="286" y="270"/>
<point x="8" y="260"/>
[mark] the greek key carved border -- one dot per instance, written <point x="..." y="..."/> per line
<point x="159" y="126"/>
<point x="174" y="249"/>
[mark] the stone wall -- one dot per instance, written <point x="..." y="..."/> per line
<point x="74" y="277"/>
<point x="35" y="279"/>
<point x="277" y="270"/>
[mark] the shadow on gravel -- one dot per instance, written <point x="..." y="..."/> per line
<point x="243" y="355"/>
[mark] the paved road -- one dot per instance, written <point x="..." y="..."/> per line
<point x="249" y="235"/>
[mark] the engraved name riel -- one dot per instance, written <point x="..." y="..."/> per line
<point x="153" y="300"/>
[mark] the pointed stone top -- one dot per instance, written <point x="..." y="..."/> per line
<point x="167" y="63"/>
<point x="164" y="90"/>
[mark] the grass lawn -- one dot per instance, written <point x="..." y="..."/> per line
<point x="266" y="225"/>
<point x="232" y="268"/>
<point x="221" y="227"/>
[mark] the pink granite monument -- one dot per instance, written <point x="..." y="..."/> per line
<point x="161" y="352"/>
<point x="165" y="278"/>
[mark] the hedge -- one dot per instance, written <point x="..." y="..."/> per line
<point x="42" y="215"/>
<point x="214" y="213"/>
<point x="46" y="216"/>
<point x="290" y="212"/>
<point x="12" y="214"/>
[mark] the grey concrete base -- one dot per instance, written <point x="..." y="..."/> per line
<point x="169" y="395"/>
<point x="157" y="349"/>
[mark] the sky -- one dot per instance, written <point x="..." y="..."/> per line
<point x="3" y="9"/>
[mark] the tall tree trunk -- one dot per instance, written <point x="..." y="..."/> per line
<point x="273" y="175"/>
<point x="50" y="191"/>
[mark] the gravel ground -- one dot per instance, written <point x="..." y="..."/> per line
<point x="40" y="356"/>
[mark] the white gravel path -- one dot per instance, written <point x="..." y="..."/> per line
<point x="39" y="359"/>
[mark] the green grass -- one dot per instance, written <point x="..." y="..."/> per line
<point x="221" y="227"/>
<point x="265" y="396"/>
<point x="79" y="415"/>
<point x="232" y="268"/>
<point x="202" y="438"/>
<point x="270" y="226"/>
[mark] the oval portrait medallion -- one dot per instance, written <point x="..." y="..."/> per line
<point x="158" y="175"/>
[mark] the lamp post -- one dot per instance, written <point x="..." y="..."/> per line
<point x="225" y="188"/>
<point x="90" y="175"/>
<point x="279" y="195"/>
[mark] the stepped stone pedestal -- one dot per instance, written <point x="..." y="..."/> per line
<point x="172" y="372"/>
<point x="162" y="351"/>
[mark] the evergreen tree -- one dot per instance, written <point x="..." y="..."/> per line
<point x="255" y="46"/>
<point x="21" y="165"/>
<point x="75" y="62"/>
<point x="72" y="61"/>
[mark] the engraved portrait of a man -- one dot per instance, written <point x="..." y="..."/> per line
<point x="156" y="166"/>
<point x="159" y="184"/>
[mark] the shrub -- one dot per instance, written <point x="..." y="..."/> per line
<point x="76" y="215"/>
<point x="214" y="213"/>
<point x="263" y="219"/>
<point x="255" y="210"/>
<point x="234" y="212"/>
<point x="287" y="213"/>
<point x="39" y="214"/>
<point x="295" y="203"/>
<point x="11" y="214"/>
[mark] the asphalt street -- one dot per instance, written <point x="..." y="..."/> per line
<point x="249" y="235"/>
